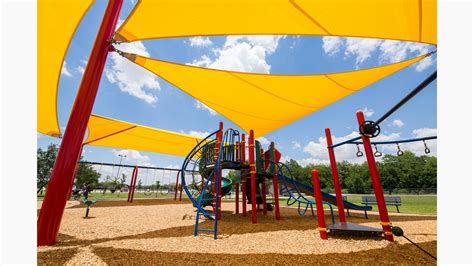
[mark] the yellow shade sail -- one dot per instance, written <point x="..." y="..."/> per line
<point x="408" y="20"/>
<point x="109" y="132"/>
<point x="265" y="102"/>
<point x="57" y="22"/>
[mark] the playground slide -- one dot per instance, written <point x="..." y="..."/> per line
<point x="308" y="190"/>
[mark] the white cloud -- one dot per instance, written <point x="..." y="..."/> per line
<point x="134" y="157"/>
<point x="398" y="123"/>
<point x="307" y="161"/>
<point x="319" y="153"/>
<point x="130" y="77"/>
<point x="424" y="132"/>
<point x="243" y="53"/>
<point x="296" y="144"/>
<point x="362" y="48"/>
<point x="390" y="51"/>
<point x="65" y="71"/>
<point x="332" y="45"/>
<point x="367" y="112"/>
<point x="81" y="67"/>
<point x="263" y="140"/>
<point x="204" y="61"/>
<point x="200" y="42"/>
<point x="200" y="106"/>
<point x="201" y="134"/>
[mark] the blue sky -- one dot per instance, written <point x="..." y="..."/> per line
<point x="129" y="93"/>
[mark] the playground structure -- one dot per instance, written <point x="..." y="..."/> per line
<point x="223" y="153"/>
<point x="150" y="188"/>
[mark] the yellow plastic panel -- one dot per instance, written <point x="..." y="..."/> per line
<point x="114" y="133"/>
<point x="385" y="19"/>
<point x="57" y="22"/>
<point x="265" y="102"/>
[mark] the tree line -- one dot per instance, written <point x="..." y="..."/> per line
<point x="403" y="174"/>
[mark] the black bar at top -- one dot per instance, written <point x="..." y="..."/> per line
<point x="410" y="95"/>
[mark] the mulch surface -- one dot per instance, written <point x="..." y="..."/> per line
<point x="394" y="254"/>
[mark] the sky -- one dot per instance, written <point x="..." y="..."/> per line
<point x="130" y="93"/>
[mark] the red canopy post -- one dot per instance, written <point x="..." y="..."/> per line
<point x="62" y="176"/>
<point x="275" y="184"/>
<point x="319" y="205"/>
<point x="253" y="183"/>
<point x="374" y="174"/>
<point x="243" y="177"/>
<point x="335" y="176"/>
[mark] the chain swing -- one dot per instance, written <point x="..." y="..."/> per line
<point x="399" y="152"/>
<point x="377" y="153"/>
<point x="427" y="150"/>
<point x="359" y="153"/>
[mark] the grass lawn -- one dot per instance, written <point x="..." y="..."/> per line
<point x="124" y="195"/>
<point x="416" y="204"/>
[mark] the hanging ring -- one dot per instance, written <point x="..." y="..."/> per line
<point x="359" y="153"/>
<point x="377" y="153"/>
<point x="427" y="150"/>
<point x="399" y="152"/>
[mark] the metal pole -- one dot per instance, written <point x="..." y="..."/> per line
<point x="275" y="184"/>
<point x="264" y="190"/>
<point x="243" y="177"/>
<point x="134" y="184"/>
<point x="62" y="176"/>
<point x="319" y="205"/>
<point x="131" y="185"/>
<point x="374" y="174"/>
<point x="410" y="95"/>
<point x="120" y="164"/>
<point x="236" y="198"/>
<point x="335" y="176"/>
<point x="219" y="173"/>
<point x="253" y="184"/>
<point x="176" y="186"/>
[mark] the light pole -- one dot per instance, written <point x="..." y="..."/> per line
<point x="120" y="164"/>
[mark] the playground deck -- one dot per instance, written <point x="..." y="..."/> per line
<point x="162" y="233"/>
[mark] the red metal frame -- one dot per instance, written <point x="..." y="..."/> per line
<point x="236" y="198"/>
<point x="253" y="184"/>
<point x="180" y="191"/>
<point x="319" y="205"/>
<point x="62" y="176"/>
<point x="275" y="186"/>
<point x="243" y="177"/>
<point x="134" y="184"/>
<point x="132" y="179"/>
<point x="335" y="176"/>
<point x="374" y="174"/>
<point x="264" y="189"/>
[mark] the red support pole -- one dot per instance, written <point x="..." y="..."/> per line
<point x="253" y="183"/>
<point x="176" y="187"/>
<point x="319" y="205"/>
<point x="132" y="180"/>
<point x="275" y="186"/>
<point x="374" y="174"/>
<point x="236" y="198"/>
<point x="134" y="184"/>
<point x="62" y="176"/>
<point x="264" y="194"/>
<point x="243" y="177"/>
<point x="335" y="176"/>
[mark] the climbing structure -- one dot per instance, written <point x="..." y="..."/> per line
<point x="202" y="180"/>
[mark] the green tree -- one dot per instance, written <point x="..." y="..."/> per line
<point x="45" y="162"/>
<point x="158" y="184"/>
<point x="139" y="186"/>
<point x="86" y="175"/>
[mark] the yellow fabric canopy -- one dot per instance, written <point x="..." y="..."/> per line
<point x="57" y="22"/>
<point x="109" y="132"/>
<point x="265" y="102"/>
<point x="408" y="20"/>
